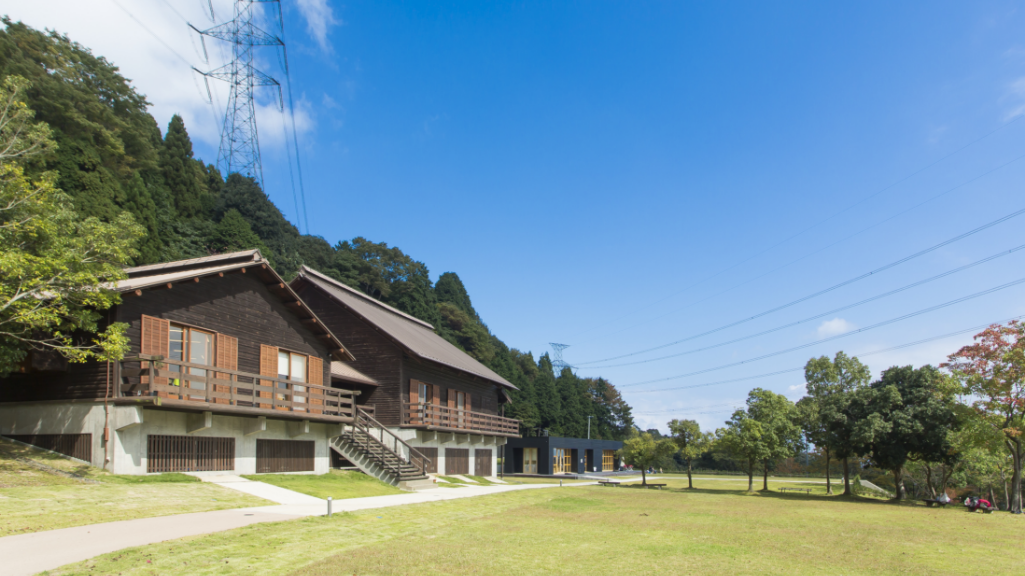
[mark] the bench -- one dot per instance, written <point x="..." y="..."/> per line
<point x="608" y="482"/>
<point x="659" y="486"/>
<point x="941" y="503"/>
<point x="805" y="490"/>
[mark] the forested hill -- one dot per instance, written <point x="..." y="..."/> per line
<point x="111" y="157"/>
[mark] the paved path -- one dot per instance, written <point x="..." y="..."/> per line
<point x="27" y="554"/>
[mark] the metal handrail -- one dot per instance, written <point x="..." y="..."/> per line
<point x="360" y="414"/>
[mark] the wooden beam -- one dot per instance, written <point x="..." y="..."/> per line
<point x="278" y="285"/>
<point x="310" y="321"/>
<point x="133" y="293"/>
<point x="220" y="274"/>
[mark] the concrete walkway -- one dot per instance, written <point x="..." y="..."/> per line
<point x="27" y="554"/>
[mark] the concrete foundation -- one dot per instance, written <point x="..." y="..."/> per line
<point x="442" y="440"/>
<point x="130" y="425"/>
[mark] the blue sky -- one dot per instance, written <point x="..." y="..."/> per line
<point x="616" y="176"/>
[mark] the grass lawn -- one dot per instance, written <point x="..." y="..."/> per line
<point x="32" y="500"/>
<point x="337" y="484"/>
<point x="596" y="530"/>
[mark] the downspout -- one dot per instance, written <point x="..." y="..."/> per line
<point x="106" y="414"/>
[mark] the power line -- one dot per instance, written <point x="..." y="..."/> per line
<point x="820" y="222"/>
<point x="823" y="314"/>
<point x="916" y="206"/>
<point x="932" y="248"/>
<point x="849" y="333"/>
<point x="152" y="33"/>
<point x="801" y="368"/>
<point x="291" y="113"/>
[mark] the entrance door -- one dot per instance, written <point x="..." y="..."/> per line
<point x="530" y="460"/>
<point x="563" y="461"/>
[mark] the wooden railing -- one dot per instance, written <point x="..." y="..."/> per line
<point x="422" y="414"/>
<point x="153" y="376"/>
<point x="375" y="431"/>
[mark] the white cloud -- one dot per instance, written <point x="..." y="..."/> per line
<point x="1017" y="93"/>
<point x="319" y="19"/>
<point x="834" y="327"/>
<point x="797" y="388"/>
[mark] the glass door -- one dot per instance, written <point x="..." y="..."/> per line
<point x="530" y="460"/>
<point x="193" y="346"/>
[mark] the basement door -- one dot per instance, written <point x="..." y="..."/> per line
<point x="482" y="462"/>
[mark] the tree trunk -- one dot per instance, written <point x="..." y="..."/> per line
<point x="765" y="476"/>
<point x="690" y="481"/>
<point x="1015" y="503"/>
<point x="846" y="477"/>
<point x="992" y="497"/>
<point x="928" y="480"/>
<point x="644" y="477"/>
<point x="898" y="484"/>
<point x="829" y="486"/>
<point x="1007" y="499"/>
<point x="750" y="475"/>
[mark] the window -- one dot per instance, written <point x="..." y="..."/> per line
<point x="292" y="366"/>
<point x="192" y="346"/>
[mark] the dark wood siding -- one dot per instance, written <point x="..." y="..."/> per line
<point x="274" y="456"/>
<point x="376" y="355"/>
<point x="238" y="305"/>
<point x="75" y="445"/>
<point x="189" y="454"/>
<point x="483" y="394"/>
<point x="457" y="461"/>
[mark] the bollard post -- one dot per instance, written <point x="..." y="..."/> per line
<point x="560" y="482"/>
<point x="328" y="506"/>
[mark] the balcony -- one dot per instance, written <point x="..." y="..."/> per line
<point x="445" y="419"/>
<point x="201" y="387"/>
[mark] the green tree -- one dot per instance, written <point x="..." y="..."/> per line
<point x="780" y="427"/>
<point x="642" y="450"/>
<point x="830" y="385"/>
<point x="183" y="175"/>
<point x="56" y="268"/>
<point x="233" y="233"/>
<point x="904" y="416"/>
<point x="690" y="441"/>
<point x="107" y="154"/>
<point x="741" y="439"/>
<point x="449" y="288"/>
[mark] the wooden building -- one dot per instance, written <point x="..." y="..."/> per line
<point x="554" y="455"/>
<point x="440" y="400"/>
<point x="229" y="371"/>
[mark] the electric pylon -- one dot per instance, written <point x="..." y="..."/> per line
<point x="557" y="362"/>
<point x="240" y="145"/>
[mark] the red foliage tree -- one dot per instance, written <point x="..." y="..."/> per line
<point x="992" y="374"/>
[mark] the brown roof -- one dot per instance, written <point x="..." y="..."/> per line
<point x="166" y="274"/>
<point x="415" y="336"/>
<point x="343" y="371"/>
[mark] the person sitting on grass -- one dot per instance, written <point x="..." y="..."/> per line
<point x="975" y="503"/>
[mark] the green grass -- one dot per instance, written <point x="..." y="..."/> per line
<point x="595" y="530"/>
<point x="337" y="484"/>
<point x="32" y="500"/>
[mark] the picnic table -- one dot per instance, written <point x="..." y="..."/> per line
<point x="788" y="489"/>
<point x="650" y="485"/>
<point x="930" y="502"/>
<point x="609" y="482"/>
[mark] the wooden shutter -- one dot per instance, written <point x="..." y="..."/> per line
<point x="156" y="335"/>
<point x="315" y="375"/>
<point x="227" y="358"/>
<point x="466" y="407"/>
<point x="268" y="367"/>
<point x="414" y="399"/>
<point x="450" y="417"/>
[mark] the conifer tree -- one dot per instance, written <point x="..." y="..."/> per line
<point x="184" y="178"/>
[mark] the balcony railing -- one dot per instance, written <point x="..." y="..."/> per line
<point x="174" y="380"/>
<point x="456" y="420"/>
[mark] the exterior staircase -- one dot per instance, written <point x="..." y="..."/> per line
<point x="380" y="453"/>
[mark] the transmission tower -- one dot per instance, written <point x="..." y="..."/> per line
<point x="240" y="146"/>
<point x="558" y="363"/>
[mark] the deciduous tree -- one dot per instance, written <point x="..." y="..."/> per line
<point x="690" y="441"/>
<point x="642" y="450"/>
<point x="992" y="375"/>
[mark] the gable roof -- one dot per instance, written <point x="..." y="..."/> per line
<point x="166" y="274"/>
<point x="343" y="371"/>
<point x="415" y="336"/>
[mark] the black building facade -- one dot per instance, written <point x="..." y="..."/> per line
<point x="555" y="455"/>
